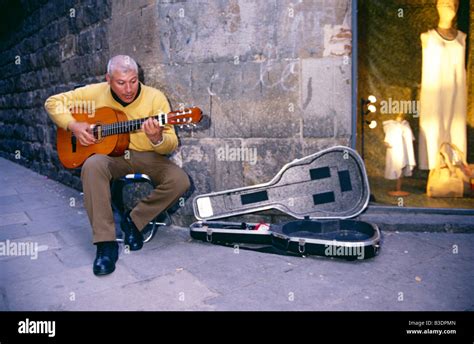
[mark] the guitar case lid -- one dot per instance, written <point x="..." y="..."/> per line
<point x="322" y="190"/>
<point x="330" y="184"/>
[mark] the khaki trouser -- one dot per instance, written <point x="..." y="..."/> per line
<point x="99" y="170"/>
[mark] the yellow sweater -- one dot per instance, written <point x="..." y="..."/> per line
<point x="150" y="102"/>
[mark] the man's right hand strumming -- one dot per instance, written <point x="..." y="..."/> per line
<point x="83" y="132"/>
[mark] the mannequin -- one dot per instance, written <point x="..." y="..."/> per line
<point x="400" y="157"/>
<point x="443" y="96"/>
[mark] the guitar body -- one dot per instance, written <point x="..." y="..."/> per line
<point x="70" y="151"/>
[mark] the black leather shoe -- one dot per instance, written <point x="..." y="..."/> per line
<point x="132" y="236"/>
<point x="107" y="255"/>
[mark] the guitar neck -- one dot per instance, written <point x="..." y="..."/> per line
<point x="129" y="126"/>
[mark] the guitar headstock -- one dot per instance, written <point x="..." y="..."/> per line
<point x="185" y="117"/>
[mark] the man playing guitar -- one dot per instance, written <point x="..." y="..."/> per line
<point x="147" y="150"/>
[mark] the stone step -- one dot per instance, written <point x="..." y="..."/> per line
<point x="420" y="219"/>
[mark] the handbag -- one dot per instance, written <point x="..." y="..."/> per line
<point x="448" y="179"/>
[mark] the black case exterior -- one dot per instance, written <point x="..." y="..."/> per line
<point x="230" y="233"/>
<point x="324" y="189"/>
<point x="347" y="239"/>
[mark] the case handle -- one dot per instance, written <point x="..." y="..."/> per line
<point x="208" y="234"/>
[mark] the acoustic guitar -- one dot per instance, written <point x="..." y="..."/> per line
<point x="111" y="128"/>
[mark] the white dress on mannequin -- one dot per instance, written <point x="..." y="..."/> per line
<point x="443" y="99"/>
<point x="400" y="157"/>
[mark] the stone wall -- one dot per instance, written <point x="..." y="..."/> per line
<point x="46" y="48"/>
<point x="273" y="77"/>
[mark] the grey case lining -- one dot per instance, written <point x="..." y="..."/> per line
<point x="330" y="184"/>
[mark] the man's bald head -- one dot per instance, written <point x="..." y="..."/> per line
<point x="122" y="76"/>
<point x="124" y="63"/>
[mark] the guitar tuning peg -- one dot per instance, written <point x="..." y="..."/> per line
<point x="194" y="125"/>
<point x="181" y="126"/>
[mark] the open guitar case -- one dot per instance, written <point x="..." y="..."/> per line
<point x="323" y="191"/>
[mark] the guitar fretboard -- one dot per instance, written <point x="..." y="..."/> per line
<point x="128" y="126"/>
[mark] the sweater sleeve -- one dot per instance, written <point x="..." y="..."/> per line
<point x="58" y="106"/>
<point x="170" y="140"/>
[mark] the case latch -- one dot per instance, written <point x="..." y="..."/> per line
<point x="301" y="244"/>
<point x="208" y="233"/>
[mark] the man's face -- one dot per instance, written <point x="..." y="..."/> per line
<point x="124" y="84"/>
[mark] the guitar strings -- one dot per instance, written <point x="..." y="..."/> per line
<point x="123" y="127"/>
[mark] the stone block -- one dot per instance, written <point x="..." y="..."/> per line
<point x="272" y="155"/>
<point x="211" y="166"/>
<point x="214" y="31"/>
<point x="77" y="256"/>
<point x="198" y="157"/>
<point x="13" y="218"/>
<point x="230" y="157"/>
<point x="68" y="47"/>
<point x="249" y="99"/>
<point x="326" y="97"/>
<point x="311" y="146"/>
<point x="59" y="287"/>
<point x="137" y="21"/>
<point x="14" y="231"/>
<point x="47" y="14"/>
